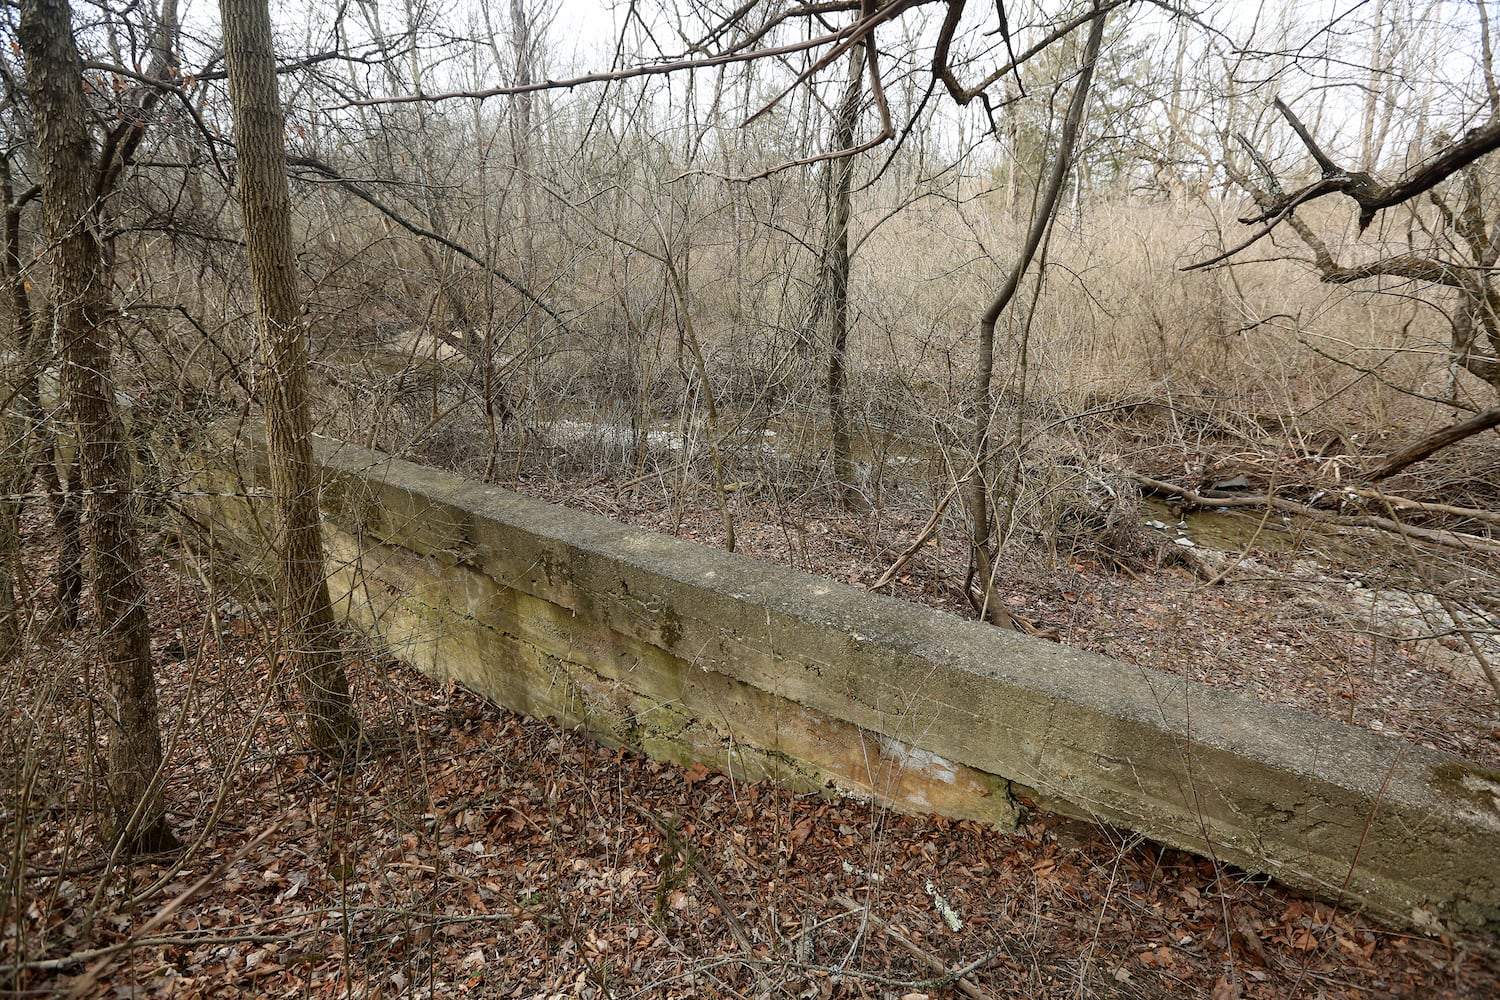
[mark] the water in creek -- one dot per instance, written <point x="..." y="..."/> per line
<point x="1223" y="529"/>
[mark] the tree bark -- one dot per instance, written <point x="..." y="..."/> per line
<point x="835" y="283"/>
<point x="80" y="280"/>
<point x="309" y="637"/>
<point x="38" y="457"/>
<point x="984" y="545"/>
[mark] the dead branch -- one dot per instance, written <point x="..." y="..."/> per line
<point x="1403" y="503"/>
<point x="927" y="958"/>
<point x="1449" y="539"/>
<point x="736" y="927"/>
<point x="1434" y="442"/>
<point x="861" y="31"/>
<point x="1364" y="188"/>
<point x="809" y="10"/>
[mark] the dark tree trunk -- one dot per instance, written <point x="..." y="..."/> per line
<point x="12" y="480"/>
<point x="309" y="634"/>
<point x="14" y="457"/>
<point x="80" y="281"/>
<point x="37" y="458"/>
<point x="836" y="265"/>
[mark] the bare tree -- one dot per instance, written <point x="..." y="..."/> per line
<point x="310" y="637"/>
<point x="74" y="212"/>
<point x="832" y="304"/>
<point x="984" y="540"/>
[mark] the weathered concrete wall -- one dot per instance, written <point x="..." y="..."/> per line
<point x="690" y="654"/>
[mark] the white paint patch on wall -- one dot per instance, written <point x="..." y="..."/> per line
<point x="924" y="761"/>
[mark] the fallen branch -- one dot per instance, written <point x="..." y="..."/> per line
<point x="1450" y="539"/>
<point x="1404" y="503"/>
<point x="180" y="940"/>
<point x="1435" y="442"/>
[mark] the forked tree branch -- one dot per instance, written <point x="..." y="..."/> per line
<point x="941" y="55"/>
<point x="1370" y="193"/>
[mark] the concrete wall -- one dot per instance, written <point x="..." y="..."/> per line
<point x="693" y="654"/>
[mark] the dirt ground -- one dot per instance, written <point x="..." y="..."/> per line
<point x="476" y="853"/>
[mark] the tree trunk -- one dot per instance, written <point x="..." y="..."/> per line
<point x="15" y="466"/>
<point x="1371" y="135"/>
<point x="523" y="143"/>
<point x="80" y="281"/>
<point x="38" y="457"/>
<point x="309" y="636"/>
<point x="835" y="290"/>
<point x="984" y="543"/>
<point x="12" y="482"/>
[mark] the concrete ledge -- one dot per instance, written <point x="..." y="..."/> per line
<point x="690" y="653"/>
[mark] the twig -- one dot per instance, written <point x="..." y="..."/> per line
<point x="927" y="958"/>
<point x="80" y="957"/>
<point x="928" y="530"/>
<point x="415" y="229"/>
<point x="736" y="928"/>
<point x="1244" y="244"/>
<point x="855" y="30"/>
<point x="1472" y="643"/>
<point x="1364" y="834"/>
<point x="86" y="982"/>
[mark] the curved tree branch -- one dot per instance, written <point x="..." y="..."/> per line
<point x="1367" y="191"/>
<point x="1435" y="442"/>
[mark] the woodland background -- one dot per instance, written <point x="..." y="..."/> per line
<point x="1168" y="330"/>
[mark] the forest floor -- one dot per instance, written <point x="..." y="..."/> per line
<point x="473" y="852"/>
